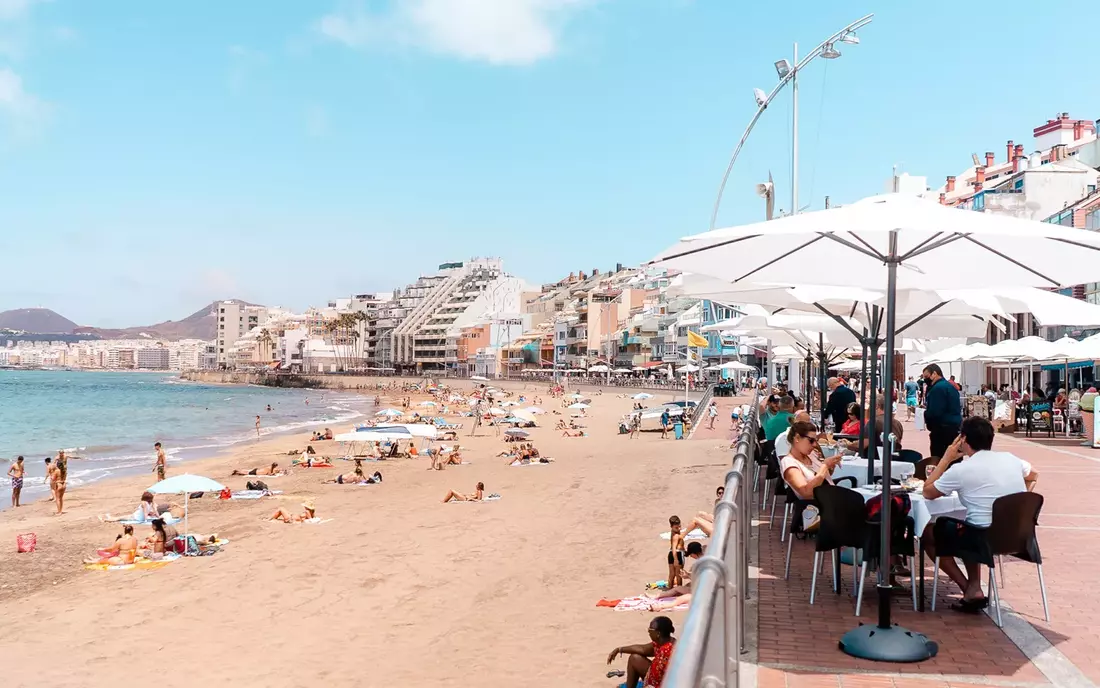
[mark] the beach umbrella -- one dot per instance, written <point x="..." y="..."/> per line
<point x="532" y="409"/>
<point x="185" y="484"/>
<point x="620" y="371"/>
<point x="863" y="245"/>
<point x="578" y="405"/>
<point x="388" y="412"/>
<point x="689" y="368"/>
<point x="427" y="430"/>
<point x="516" y="432"/>
<point x="497" y="412"/>
<point x="525" y="415"/>
<point x="509" y="403"/>
<point x="640" y="396"/>
<point x="512" y="419"/>
<point x="598" y="369"/>
<point x="426" y="403"/>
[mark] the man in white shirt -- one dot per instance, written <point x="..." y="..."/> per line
<point x="978" y="480"/>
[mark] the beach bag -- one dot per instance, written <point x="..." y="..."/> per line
<point x="25" y="543"/>
<point x="225" y="494"/>
<point x="256" y="485"/>
<point x="900" y="505"/>
<point x="919" y="419"/>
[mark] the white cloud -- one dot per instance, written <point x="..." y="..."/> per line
<point x="25" y="112"/>
<point x="16" y="9"/>
<point x="316" y="121"/>
<point x="495" y="31"/>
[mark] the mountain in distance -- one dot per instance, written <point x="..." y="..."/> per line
<point x="202" y="324"/>
<point x="37" y="320"/>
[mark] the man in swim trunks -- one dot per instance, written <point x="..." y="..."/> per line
<point x="162" y="462"/>
<point x="51" y="476"/>
<point x="16" y="472"/>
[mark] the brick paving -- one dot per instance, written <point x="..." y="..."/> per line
<point x="796" y="642"/>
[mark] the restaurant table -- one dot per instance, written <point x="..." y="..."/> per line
<point x="923" y="512"/>
<point x="857" y="468"/>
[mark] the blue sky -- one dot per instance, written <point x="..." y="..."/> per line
<point x="155" y="156"/>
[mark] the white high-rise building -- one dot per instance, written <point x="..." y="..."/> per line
<point x="235" y="319"/>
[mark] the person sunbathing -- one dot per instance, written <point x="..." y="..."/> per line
<point x="314" y="463"/>
<point x="287" y="517"/>
<point x="273" y="469"/>
<point x="356" y="478"/>
<point x="477" y="496"/>
<point x="573" y="433"/>
<point x="123" y="551"/>
<point x="146" y="511"/>
<point x="454" y="458"/>
<point x="678" y="594"/>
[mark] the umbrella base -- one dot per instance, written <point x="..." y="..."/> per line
<point x="893" y="644"/>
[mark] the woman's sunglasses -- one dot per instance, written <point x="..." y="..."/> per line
<point x="813" y="440"/>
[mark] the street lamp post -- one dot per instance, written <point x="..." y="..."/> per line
<point x="788" y="72"/>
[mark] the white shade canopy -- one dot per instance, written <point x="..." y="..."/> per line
<point x="578" y="405"/>
<point x="735" y="365"/>
<point x="598" y="369"/>
<point x="689" y="368"/>
<point x="642" y="395"/>
<point x="388" y="412"/>
<point x="846" y="247"/>
<point x="479" y="378"/>
<point x="179" y="484"/>
<point x="414" y="429"/>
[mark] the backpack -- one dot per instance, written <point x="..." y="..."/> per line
<point x="900" y="505"/>
<point x="256" y="485"/>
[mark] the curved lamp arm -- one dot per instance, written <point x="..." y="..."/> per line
<point x="859" y="23"/>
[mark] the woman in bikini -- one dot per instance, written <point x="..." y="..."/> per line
<point x="155" y="543"/>
<point x="123" y="551"/>
<point x="477" y="496"/>
<point x="62" y="472"/>
<point x="287" y="517"/>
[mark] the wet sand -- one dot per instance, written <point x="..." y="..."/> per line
<point x="397" y="590"/>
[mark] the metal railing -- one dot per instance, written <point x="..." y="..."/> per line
<point x="700" y="414"/>
<point x="712" y="638"/>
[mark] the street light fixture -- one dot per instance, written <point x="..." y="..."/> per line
<point x="788" y="73"/>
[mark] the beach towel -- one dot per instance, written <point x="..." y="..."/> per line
<point x="693" y="535"/>
<point x="254" y="494"/>
<point x="316" y="520"/>
<point x="639" y="604"/>
<point x="168" y="520"/>
<point x="141" y="563"/>
<point x="517" y="462"/>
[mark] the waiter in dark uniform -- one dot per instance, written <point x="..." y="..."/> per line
<point x="942" y="410"/>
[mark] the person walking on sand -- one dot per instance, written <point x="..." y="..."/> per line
<point x="257" y="426"/>
<point x="51" y="477"/>
<point x="161" y="465"/>
<point x="16" y="472"/>
<point x="62" y="475"/>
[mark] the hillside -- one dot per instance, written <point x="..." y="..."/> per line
<point x="38" y="320"/>
<point x="202" y="324"/>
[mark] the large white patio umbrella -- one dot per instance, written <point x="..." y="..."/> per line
<point x="900" y="242"/>
<point x="185" y="484"/>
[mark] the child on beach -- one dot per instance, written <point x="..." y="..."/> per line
<point x="675" y="553"/>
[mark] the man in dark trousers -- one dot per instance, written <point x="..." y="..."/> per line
<point x="942" y="410"/>
<point x="839" y="398"/>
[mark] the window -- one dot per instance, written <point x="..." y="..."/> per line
<point x="1064" y="218"/>
<point x="1092" y="220"/>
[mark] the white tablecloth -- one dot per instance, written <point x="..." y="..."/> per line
<point x="857" y="468"/>
<point x="924" y="511"/>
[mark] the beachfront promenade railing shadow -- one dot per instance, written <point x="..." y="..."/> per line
<point x="712" y="638"/>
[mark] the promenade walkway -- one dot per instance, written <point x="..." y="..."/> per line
<point x="796" y="643"/>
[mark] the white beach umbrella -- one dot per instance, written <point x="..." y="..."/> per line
<point x="524" y="414"/>
<point x="620" y="371"/>
<point x="689" y="368"/>
<point x="640" y="396"/>
<point x="426" y="430"/>
<point x="892" y="242"/>
<point x="598" y="369"/>
<point x="497" y="412"/>
<point x="579" y="405"/>
<point x="736" y="365"/>
<point x="533" y="409"/>
<point x="426" y="403"/>
<point x="185" y="484"/>
<point x="388" y="412"/>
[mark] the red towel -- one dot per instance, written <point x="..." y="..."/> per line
<point x="608" y="603"/>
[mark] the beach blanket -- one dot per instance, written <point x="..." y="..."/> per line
<point x="168" y="520"/>
<point x="517" y="462"/>
<point x="638" y="604"/>
<point x="693" y="535"/>
<point x="141" y="563"/>
<point x="254" y="494"/>
<point x="317" y="521"/>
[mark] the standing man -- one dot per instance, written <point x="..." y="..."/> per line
<point x="910" y="398"/>
<point x="162" y="462"/>
<point x="15" y="472"/>
<point x="51" y="477"/>
<point x="942" y="410"/>
<point x="839" y="398"/>
<point x="257" y="426"/>
<point x="665" y="418"/>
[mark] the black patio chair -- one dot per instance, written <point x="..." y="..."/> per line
<point x="1012" y="533"/>
<point x="843" y="524"/>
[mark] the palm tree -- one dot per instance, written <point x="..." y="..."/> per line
<point x="266" y="341"/>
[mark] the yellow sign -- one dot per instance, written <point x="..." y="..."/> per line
<point x="697" y="340"/>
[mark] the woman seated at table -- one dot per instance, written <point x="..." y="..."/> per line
<point x="880" y="420"/>
<point x="803" y="468"/>
<point x="853" y="424"/>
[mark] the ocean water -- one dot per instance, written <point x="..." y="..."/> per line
<point x="111" y="420"/>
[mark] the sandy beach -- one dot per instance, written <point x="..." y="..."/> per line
<point x="397" y="589"/>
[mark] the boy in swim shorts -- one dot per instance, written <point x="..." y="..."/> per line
<point x="675" y="553"/>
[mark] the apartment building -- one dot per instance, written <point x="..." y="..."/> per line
<point x="152" y="358"/>
<point x="235" y="319"/>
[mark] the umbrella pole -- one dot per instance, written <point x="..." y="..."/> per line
<point x="863" y="399"/>
<point x="886" y="642"/>
<point x="873" y="380"/>
<point x="1065" y="421"/>
<point x="821" y="375"/>
<point x="186" y="514"/>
